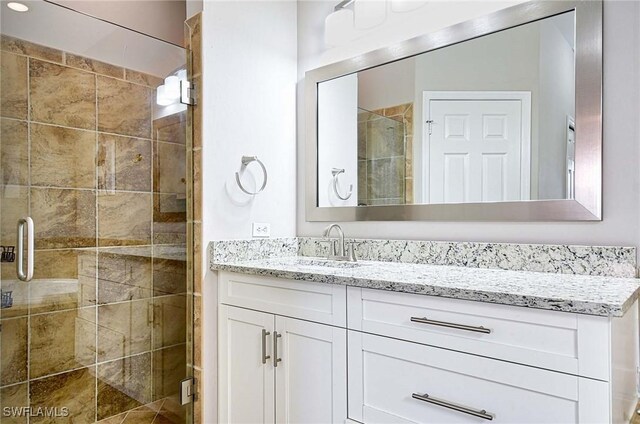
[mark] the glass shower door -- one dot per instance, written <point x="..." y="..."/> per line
<point x="97" y="160"/>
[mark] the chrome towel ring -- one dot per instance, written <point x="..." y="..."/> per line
<point x="246" y="160"/>
<point x="335" y="172"/>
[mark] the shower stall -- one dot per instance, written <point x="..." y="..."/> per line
<point x="96" y="317"/>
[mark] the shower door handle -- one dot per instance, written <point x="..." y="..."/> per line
<point x="22" y="275"/>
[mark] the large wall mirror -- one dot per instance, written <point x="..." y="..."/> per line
<point x="498" y="118"/>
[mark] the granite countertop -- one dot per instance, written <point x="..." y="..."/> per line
<point x="593" y="295"/>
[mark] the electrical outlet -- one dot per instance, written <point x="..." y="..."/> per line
<point x="261" y="229"/>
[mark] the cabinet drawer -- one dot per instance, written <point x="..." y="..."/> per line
<point x="393" y="381"/>
<point x="571" y="343"/>
<point x="323" y="303"/>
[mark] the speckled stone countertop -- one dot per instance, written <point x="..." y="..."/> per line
<point x="593" y="295"/>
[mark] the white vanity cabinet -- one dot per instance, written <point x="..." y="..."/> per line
<point x="276" y="368"/>
<point x="410" y="358"/>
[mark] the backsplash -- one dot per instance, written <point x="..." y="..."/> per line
<point x="560" y="259"/>
<point x="252" y="249"/>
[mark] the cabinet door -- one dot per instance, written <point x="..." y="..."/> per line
<point x="393" y="381"/>
<point x="311" y="378"/>
<point x="245" y="383"/>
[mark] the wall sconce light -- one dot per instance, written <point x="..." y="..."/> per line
<point x="338" y="26"/>
<point x="369" y="13"/>
<point x="406" y="5"/>
<point x="169" y="92"/>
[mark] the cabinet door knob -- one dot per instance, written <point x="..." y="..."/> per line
<point x="276" y="336"/>
<point x="265" y="333"/>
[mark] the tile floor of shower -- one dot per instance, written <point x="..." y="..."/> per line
<point x="101" y="329"/>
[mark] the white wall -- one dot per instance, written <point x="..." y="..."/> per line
<point x="249" y="58"/>
<point x="621" y="191"/>
<point x="163" y="19"/>
<point x="338" y="139"/>
<point x="386" y="86"/>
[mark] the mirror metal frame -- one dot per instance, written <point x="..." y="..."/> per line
<point x="587" y="205"/>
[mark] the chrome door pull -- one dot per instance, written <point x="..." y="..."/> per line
<point x="276" y="336"/>
<point x="22" y="275"/>
<point x="451" y="325"/>
<point x="465" y="410"/>
<point x="265" y="333"/>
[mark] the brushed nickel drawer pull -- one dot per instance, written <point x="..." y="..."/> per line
<point x="265" y="333"/>
<point x="451" y="325"/>
<point x="439" y="402"/>
<point x="276" y="336"/>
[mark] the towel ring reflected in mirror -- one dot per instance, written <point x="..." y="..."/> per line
<point x="246" y="160"/>
<point x="335" y="172"/>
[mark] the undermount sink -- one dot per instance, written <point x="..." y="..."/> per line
<point x="330" y="263"/>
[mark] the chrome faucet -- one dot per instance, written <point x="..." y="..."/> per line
<point x="338" y="249"/>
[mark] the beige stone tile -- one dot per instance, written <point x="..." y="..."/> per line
<point x="198" y="271"/>
<point x="56" y="272"/>
<point x="19" y="292"/>
<point x="198" y="403"/>
<point x="87" y="276"/>
<point x="63" y="217"/>
<point x="124" y="108"/>
<point x="124" y="163"/>
<point x="14" y="152"/>
<point x="14" y="397"/>
<point x="62" y="157"/>
<point x="13" y="85"/>
<point x="171" y="128"/>
<point x="116" y="419"/>
<point x="169" y="368"/>
<point x="169" y="233"/>
<point x="195" y="44"/>
<point x="197" y="331"/>
<point x="16" y="45"/>
<point x="386" y="178"/>
<point x="170" y="168"/>
<point x="93" y="65"/>
<point x="197" y="185"/>
<point x="408" y="120"/>
<point x="62" y="95"/>
<point x="169" y="277"/>
<point x="62" y="341"/>
<point x="197" y="114"/>
<point x="124" y="218"/>
<point x="169" y="208"/>
<point x="140" y="417"/>
<point x="123" y="277"/>
<point x="409" y="191"/>
<point x="142" y="78"/>
<point x="75" y="390"/>
<point x="13" y="347"/>
<point x="15" y="205"/>
<point x="169" y="320"/>
<point x="124" y="384"/>
<point x="385" y="138"/>
<point x="398" y="110"/>
<point x="124" y="329"/>
<point x="171" y="412"/>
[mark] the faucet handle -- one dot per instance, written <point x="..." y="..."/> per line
<point x="351" y="251"/>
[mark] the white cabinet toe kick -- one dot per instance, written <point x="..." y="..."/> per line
<point x="296" y="351"/>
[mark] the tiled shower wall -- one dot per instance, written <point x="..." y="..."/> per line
<point x="193" y="37"/>
<point x="101" y="328"/>
<point x="385" y="156"/>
